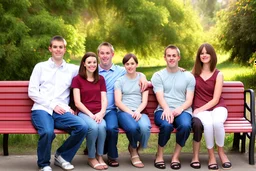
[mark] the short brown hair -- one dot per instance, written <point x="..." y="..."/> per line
<point x="58" y="38"/>
<point x="105" y="44"/>
<point x="172" y="47"/>
<point x="128" y="56"/>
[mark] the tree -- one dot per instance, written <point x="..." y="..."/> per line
<point x="237" y="30"/>
<point x="143" y="26"/>
<point x="26" y="27"/>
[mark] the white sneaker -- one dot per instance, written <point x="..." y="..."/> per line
<point x="65" y="165"/>
<point x="46" y="168"/>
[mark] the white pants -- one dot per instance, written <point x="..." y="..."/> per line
<point x="213" y="122"/>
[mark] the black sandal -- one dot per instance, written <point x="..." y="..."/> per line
<point x="226" y="165"/>
<point x="195" y="165"/>
<point x="213" y="166"/>
<point x="175" y="165"/>
<point x="160" y="164"/>
<point x="112" y="163"/>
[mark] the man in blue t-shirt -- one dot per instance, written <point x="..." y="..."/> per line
<point x="174" y="91"/>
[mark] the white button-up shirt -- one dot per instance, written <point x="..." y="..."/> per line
<point x="49" y="85"/>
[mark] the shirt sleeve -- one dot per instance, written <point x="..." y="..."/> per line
<point x="75" y="83"/>
<point x="102" y="84"/>
<point x="34" y="90"/>
<point x="191" y="82"/>
<point x="157" y="82"/>
<point x="118" y="84"/>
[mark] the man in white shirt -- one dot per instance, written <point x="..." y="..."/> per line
<point x="49" y="88"/>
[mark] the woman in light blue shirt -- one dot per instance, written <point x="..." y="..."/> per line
<point x="131" y="103"/>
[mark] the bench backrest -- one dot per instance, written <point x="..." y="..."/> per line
<point x="16" y="105"/>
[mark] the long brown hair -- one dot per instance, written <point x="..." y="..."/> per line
<point x="82" y="69"/>
<point x="197" y="69"/>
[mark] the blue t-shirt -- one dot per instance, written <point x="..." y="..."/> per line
<point x="111" y="76"/>
<point x="174" y="86"/>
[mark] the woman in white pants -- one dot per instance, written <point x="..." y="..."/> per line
<point x="209" y="106"/>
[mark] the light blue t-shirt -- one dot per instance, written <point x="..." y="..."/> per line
<point x="111" y="76"/>
<point x="174" y="86"/>
<point x="131" y="94"/>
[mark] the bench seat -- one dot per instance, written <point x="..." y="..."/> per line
<point x="15" y="112"/>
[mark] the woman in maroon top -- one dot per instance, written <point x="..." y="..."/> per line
<point x="209" y="106"/>
<point x="89" y="89"/>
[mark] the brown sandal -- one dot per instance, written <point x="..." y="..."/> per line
<point x="112" y="163"/>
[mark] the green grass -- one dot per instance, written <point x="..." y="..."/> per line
<point x="27" y="144"/>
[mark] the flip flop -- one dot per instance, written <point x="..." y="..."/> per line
<point x="195" y="165"/>
<point x="175" y="165"/>
<point x="226" y="165"/>
<point x="160" y="164"/>
<point x="213" y="166"/>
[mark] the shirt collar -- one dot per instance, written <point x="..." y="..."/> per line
<point x="113" y="67"/>
<point x="52" y="64"/>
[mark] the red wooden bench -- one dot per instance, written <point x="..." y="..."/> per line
<point x="15" y="111"/>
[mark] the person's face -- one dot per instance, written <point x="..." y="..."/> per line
<point x="172" y="58"/>
<point x="204" y="56"/>
<point x="90" y="64"/>
<point x="57" y="49"/>
<point x="130" y="66"/>
<point x="105" y="55"/>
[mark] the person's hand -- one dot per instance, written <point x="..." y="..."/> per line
<point x="176" y="112"/>
<point x="196" y="111"/>
<point x="137" y="115"/>
<point x="167" y="115"/>
<point x="59" y="110"/>
<point x="98" y="117"/>
<point x="143" y="84"/>
<point x="182" y="69"/>
<point x="72" y="111"/>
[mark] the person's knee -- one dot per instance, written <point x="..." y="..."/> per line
<point x="218" y="125"/>
<point x="166" y="127"/>
<point x="144" y="129"/>
<point x="197" y="125"/>
<point x="47" y="132"/>
<point x="186" y="126"/>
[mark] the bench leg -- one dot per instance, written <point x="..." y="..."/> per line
<point x="243" y="143"/>
<point x="251" y="148"/>
<point x="236" y="142"/>
<point x="5" y="144"/>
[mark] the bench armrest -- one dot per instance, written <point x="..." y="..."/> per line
<point x="249" y="106"/>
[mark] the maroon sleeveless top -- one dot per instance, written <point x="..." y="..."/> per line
<point x="204" y="90"/>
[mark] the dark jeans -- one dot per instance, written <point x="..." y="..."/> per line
<point x="182" y="123"/>
<point x="112" y="134"/>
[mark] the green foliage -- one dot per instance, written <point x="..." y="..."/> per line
<point x="143" y="27"/>
<point x="26" y="29"/>
<point x="237" y="30"/>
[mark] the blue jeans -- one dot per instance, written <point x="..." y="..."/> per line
<point x="135" y="131"/>
<point x="182" y="123"/>
<point x="112" y="134"/>
<point x="96" y="132"/>
<point x="45" y="124"/>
